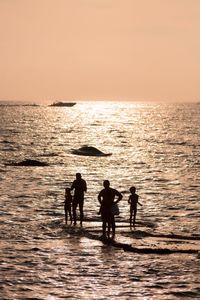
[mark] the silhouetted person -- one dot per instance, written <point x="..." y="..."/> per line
<point x="133" y="201"/>
<point x="68" y="204"/>
<point x="106" y="198"/>
<point x="80" y="187"/>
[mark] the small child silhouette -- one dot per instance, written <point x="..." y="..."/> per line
<point x="133" y="201"/>
<point x="68" y="203"/>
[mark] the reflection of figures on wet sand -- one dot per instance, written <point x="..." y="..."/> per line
<point x="106" y="198"/>
<point x="67" y="205"/>
<point x="80" y="187"/>
<point x="133" y="201"/>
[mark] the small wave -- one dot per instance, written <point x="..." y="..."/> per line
<point x="172" y="143"/>
<point x="180" y="144"/>
<point x="139" y="163"/>
<point x="49" y="155"/>
<point x="8" y="149"/>
<point x="6" y="142"/>
<point x="177" y="143"/>
<point x="161" y="180"/>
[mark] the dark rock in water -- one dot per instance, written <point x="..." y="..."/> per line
<point x="89" y="151"/>
<point x="30" y="162"/>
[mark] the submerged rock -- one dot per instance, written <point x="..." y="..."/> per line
<point x="30" y="163"/>
<point x="89" y="151"/>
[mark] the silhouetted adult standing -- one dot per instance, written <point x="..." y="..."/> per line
<point x="106" y="198"/>
<point x="80" y="187"/>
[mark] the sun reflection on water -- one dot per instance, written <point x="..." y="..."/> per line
<point x="154" y="147"/>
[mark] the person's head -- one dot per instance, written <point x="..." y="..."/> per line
<point x="106" y="184"/>
<point x="132" y="190"/>
<point x="78" y="175"/>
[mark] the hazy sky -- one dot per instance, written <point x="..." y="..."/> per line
<point x="100" y="49"/>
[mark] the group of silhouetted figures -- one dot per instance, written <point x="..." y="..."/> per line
<point x="108" y="199"/>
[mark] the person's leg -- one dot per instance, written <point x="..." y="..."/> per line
<point x="104" y="228"/>
<point x="81" y="211"/>
<point x="131" y="217"/>
<point x="134" y="217"/>
<point x="65" y="216"/>
<point x="113" y="226"/>
<point x="70" y="213"/>
<point x="74" y="206"/>
<point x="108" y="227"/>
<point x="104" y="220"/>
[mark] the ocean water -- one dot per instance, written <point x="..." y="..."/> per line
<point x="154" y="147"/>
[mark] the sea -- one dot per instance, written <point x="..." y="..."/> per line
<point x="154" y="147"/>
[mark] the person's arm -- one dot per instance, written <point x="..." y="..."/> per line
<point x="138" y="201"/>
<point x="73" y="185"/>
<point x="99" y="197"/>
<point x="85" y="187"/>
<point x="129" y="200"/>
<point x="119" y="195"/>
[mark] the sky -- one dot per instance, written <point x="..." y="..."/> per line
<point x="100" y="50"/>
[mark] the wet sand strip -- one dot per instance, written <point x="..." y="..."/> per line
<point x="90" y="233"/>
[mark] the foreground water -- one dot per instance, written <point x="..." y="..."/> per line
<point x="154" y="147"/>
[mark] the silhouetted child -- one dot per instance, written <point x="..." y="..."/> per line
<point x="133" y="201"/>
<point x="68" y="204"/>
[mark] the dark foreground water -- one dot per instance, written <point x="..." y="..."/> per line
<point x="154" y="147"/>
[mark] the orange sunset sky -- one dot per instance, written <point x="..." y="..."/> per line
<point x="100" y="50"/>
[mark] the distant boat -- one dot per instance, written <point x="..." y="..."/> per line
<point x="63" y="104"/>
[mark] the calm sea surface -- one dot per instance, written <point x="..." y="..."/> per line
<point x="154" y="147"/>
